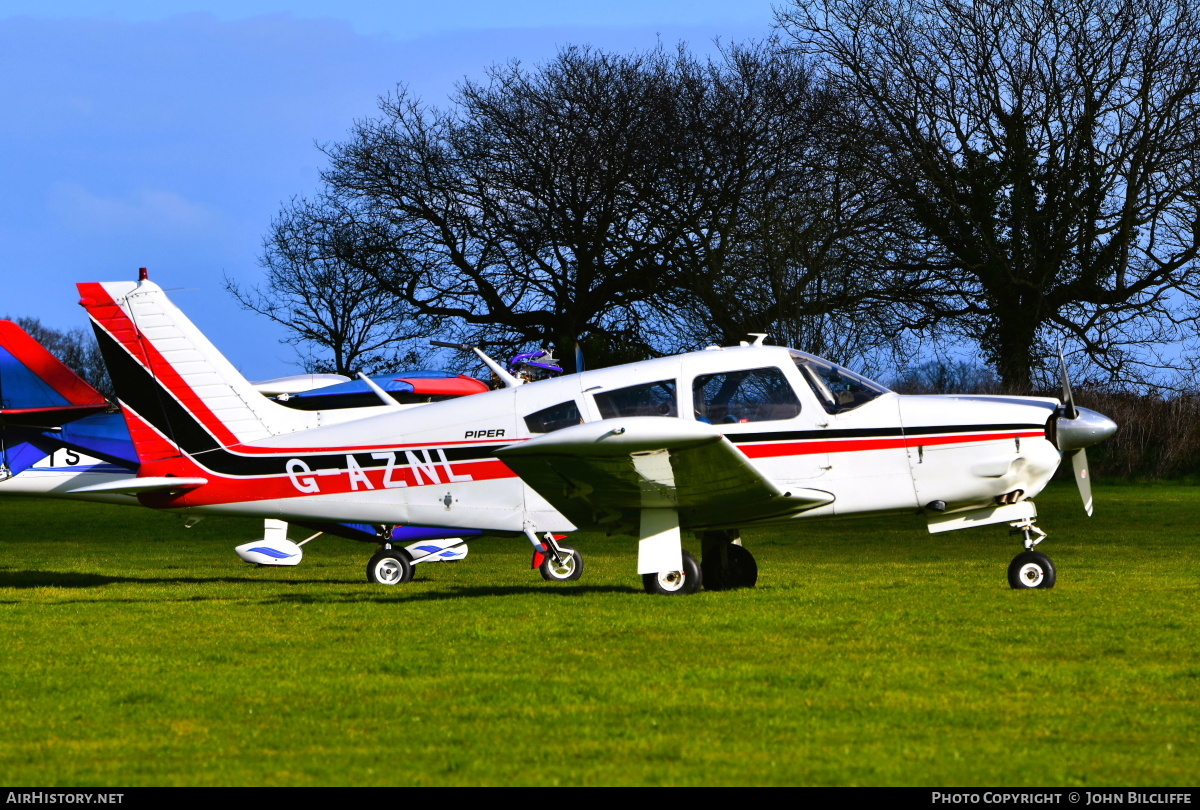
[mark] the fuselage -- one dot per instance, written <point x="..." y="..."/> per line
<point x="802" y="422"/>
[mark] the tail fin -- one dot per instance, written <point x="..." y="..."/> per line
<point x="178" y="393"/>
<point x="36" y="388"/>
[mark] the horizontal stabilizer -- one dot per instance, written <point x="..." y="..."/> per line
<point x="136" y="486"/>
<point x="103" y="435"/>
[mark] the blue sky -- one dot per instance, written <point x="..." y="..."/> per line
<point x="168" y="134"/>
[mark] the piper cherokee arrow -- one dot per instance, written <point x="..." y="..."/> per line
<point x="708" y="442"/>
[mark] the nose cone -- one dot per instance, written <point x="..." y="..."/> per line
<point x="1085" y="430"/>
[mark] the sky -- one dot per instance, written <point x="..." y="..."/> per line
<point x="168" y="134"/>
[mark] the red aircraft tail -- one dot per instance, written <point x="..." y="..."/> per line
<point x="179" y="394"/>
<point x="36" y="388"/>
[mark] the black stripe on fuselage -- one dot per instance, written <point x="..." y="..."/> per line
<point x="149" y="399"/>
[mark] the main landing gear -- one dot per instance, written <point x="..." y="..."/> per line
<point x="1030" y="569"/>
<point x="676" y="583"/>
<point x="390" y="566"/>
<point x="726" y="566"/>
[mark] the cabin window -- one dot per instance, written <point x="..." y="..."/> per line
<point x="838" y="389"/>
<point x="650" y="399"/>
<point x="556" y="417"/>
<point x="756" y="395"/>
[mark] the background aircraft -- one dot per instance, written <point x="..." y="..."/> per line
<point x="709" y="441"/>
<point x="56" y="435"/>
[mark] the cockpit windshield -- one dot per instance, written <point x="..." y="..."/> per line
<point x="838" y="389"/>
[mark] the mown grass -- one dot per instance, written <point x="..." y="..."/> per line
<point x="136" y="652"/>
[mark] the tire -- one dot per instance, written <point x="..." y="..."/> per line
<point x="1031" y="569"/>
<point x="675" y="583"/>
<point x="571" y="568"/>
<point x="389" y="568"/>
<point x="737" y="570"/>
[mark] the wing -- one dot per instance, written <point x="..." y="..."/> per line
<point x="600" y="475"/>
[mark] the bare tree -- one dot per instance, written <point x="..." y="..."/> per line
<point x="340" y="318"/>
<point x="635" y="204"/>
<point x="1046" y="154"/>
<point x="788" y="241"/>
<point x="527" y="214"/>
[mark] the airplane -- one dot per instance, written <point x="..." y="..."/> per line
<point x="710" y="442"/>
<point x="53" y="425"/>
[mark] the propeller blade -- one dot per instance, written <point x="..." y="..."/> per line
<point x="1068" y="399"/>
<point x="1083" y="479"/>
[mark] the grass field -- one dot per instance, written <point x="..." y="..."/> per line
<point x="135" y="652"/>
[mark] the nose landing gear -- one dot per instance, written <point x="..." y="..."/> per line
<point x="1030" y="569"/>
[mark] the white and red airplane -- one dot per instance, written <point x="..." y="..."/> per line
<point x="709" y="442"/>
<point x="57" y="437"/>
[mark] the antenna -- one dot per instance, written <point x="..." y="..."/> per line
<point x="383" y="395"/>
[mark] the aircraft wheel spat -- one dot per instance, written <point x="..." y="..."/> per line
<point x="1031" y="569"/>
<point x="270" y="552"/>
<point x="675" y="583"/>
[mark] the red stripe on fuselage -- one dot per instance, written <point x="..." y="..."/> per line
<point x="429" y="468"/>
<point x="801" y="448"/>
<point x="338" y="480"/>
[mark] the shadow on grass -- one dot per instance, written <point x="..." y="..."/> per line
<point x="368" y="593"/>
<point x="64" y="579"/>
<point x="400" y="594"/>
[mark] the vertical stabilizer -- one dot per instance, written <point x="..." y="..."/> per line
<point x="178" y="393"/>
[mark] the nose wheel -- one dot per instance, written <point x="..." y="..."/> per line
<point x="1031" y="569"/>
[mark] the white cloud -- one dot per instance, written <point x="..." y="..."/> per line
<point x="141" y="211"/>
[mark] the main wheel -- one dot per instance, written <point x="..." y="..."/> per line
<point x="729" y="567"/>
<point x="570" y="568"/>
<point x="389" y="568"/>
<point x="1031" y="569"/>
<point x="675" y="583"/>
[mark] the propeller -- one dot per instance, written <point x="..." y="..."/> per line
<point x="1077" y="428"/>
<point x="1068" y="399"/>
